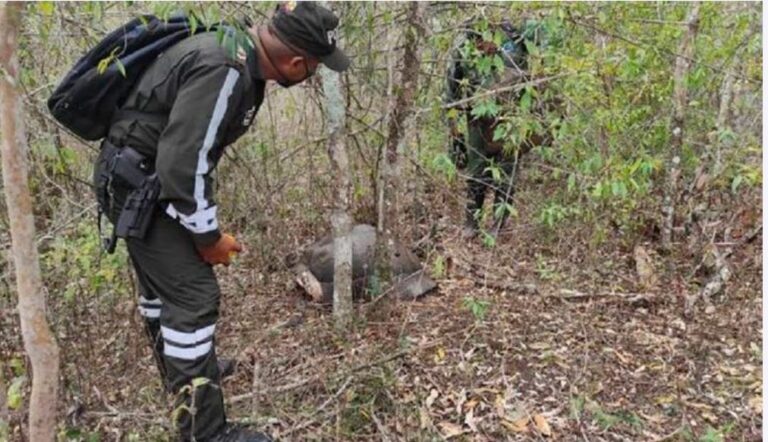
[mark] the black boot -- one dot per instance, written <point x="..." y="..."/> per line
<point x="226" y="367"/>
<point x="475" y="198"/>
<point x="238" y="433"/>
<point x="501" y="200"/>
<point x="471" y="227"/>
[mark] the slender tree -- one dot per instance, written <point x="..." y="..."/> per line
<point x="340" y="219"/>
<point x="680" y="102"/>
<point x="38" y="340"/>
<point x="723" y="120"/>
<point x="398" y="134"/>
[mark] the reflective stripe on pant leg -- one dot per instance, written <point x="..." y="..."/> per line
<point x="187" y="286"/>
<point x="188" y="345"/>
<point x="150" y="308"/>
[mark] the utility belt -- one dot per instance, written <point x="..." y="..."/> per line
<point x="129" y="171"/>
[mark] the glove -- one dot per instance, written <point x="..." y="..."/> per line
<point x="222" y="251"/>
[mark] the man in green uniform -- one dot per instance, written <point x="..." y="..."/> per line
<point x="488" y="162"/>
<point x="194" y="100"/>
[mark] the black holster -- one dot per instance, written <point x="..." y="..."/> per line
<point x="138" y="210"/>
<point x="125" y="168"/>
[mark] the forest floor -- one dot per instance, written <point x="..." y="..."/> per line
<point x="559" y="352"/>
<point x="519" y="342"/>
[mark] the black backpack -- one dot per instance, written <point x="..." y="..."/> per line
<point x="89" y="95"/>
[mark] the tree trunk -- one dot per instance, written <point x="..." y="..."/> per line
<point x="399" y="131"/>
<point x="680" y="102"/>
<point x="4" y="415"/>
<point x="39" y="342"/>
<point x="723" y="120"/>
<point x="340" y="219"/>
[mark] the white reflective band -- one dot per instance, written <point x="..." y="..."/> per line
<point x="184" y="338"/>
<point x="210" y="136"/>
<point x="199" y="222"/>
<point x="156" y="301"/>
<point x="151" y="312"/>
<point x="191" y="353"/>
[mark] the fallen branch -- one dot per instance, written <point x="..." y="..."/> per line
<point x="129" y="416"/>
<point x="631" y="298"/>
<point x="383" y="432"/>
<point x="721" y="276"/>
<point x="317" y="377"/>
<point x="528" y="289"/>
<point x="515" y="88"/>
<point x="313" y="416"/>
<point x="481" y="278"/>
<point x="715" y="285"/>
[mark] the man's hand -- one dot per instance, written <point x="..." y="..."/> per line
<point x="222" y="251"/>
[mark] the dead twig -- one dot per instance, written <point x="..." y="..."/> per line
<point x="480" y="275"/>
<point x="315" y="378"/>
<point x="631" y="298"/>
<point x="383" y="432"/>
<point x="515" y="88"/>
<point x="312" y="418"/>
<point x="721" y="275"/>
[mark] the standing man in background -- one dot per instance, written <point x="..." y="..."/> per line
<point x="480" y="150"/>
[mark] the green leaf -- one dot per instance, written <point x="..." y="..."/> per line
<point x="15" y="395"/>
<point x="438" y="267"/>
<point x="726" y="136"/>
<point x="499" y="132"/>
<point x="17" y="365"/>
<point x="495" y="173"/>
<point x="102" y="66"/>
<point x="46" y="8"/>
<point x="489" y="241"/>
<point x="597" y="190"/>
<point x="192" y="24"/>
<point x="200" y="381"/>
<point x="504" y="209"/>
<point x="442" y="163"/>
<point x="484" y="65"/>
<point x="526" y="99"/>
<point x="711" y="435"/>
<point x="737" y="180"/>
<point x="498" y="63"/>
<point x="121" y="67"/>
<point x="571" y="183"/>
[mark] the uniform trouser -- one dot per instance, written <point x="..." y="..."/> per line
<point x="480" y="178"/>
<point x="179" y="300"/>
